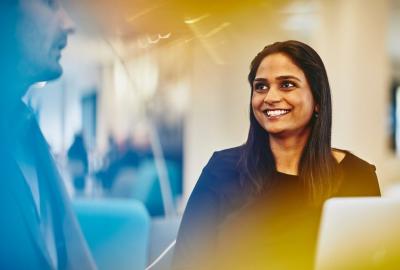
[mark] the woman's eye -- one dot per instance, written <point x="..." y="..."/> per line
<point x="287" y="84"/>
<point x="260" y="87"/>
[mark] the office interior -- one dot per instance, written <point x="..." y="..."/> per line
<point x="153" y="88"/>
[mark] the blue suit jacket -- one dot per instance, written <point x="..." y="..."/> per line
<point x="21" y="243"/>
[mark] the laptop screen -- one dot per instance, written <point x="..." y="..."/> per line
<point x="359" y="233"/>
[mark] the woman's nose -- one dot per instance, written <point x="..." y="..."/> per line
<point x="272" y="96"/>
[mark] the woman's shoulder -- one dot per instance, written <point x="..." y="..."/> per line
<point x="225" y="159"/>
<point x="359" y="176"/>
<point x="222" y="171"/>
<point x="352" y="162"/>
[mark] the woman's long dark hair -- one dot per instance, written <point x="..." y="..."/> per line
<point x="317" y="167"/>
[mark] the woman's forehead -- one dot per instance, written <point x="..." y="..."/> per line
<point x="278" y="65"/>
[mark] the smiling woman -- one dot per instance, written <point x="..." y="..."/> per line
<point x="295" y="80"/>
<point x="258" y="206"/>
<point x="282" y="100"/>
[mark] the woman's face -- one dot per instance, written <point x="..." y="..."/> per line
<point x="282" y="100"/>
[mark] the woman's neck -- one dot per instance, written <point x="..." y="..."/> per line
<point x="287" y="151"/>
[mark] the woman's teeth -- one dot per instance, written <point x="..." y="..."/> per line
<point x="273" y="113"/>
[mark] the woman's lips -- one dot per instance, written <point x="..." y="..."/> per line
<point x="274" y="113"/>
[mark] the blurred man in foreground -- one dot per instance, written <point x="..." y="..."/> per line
<point x="38" y="229"/>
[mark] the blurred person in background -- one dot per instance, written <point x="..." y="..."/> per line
<point x="258" y="206"/>
<point x="78" y="163"/>
<point x="38" y="229"/>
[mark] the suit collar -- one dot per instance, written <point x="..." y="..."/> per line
<point x="26" y="125"/>
<point x="25" y="202"/>
<point x="71" y="247"/>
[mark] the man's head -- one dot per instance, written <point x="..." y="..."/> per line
<point x="35" y="33"/>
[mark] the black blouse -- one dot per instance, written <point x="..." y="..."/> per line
<point x="226" y="227"/>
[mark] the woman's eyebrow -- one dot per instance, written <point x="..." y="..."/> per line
<point x="286" y="77"/>
<point x="260" y="80"/>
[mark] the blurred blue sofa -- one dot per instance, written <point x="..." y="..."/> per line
<point x="117" y="232"/>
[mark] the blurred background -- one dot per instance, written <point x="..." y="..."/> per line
<point x="151" y="88"/>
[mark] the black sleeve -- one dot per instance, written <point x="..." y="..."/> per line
<point x="371" y="183"/>
<point x="360" y="181"/>
<point x="197" y="233"/>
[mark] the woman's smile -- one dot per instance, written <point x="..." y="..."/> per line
<point x="276" y="113"/>
<point x="282" y="100"/>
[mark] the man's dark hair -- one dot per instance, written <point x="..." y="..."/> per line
<point x="317" y="165"/>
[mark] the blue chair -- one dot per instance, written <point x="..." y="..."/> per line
<point x="117" y="232"/>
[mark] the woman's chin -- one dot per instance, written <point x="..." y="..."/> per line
<point x="275" y="130"/>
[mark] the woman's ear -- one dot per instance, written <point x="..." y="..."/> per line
<point x="316" y="109"/>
